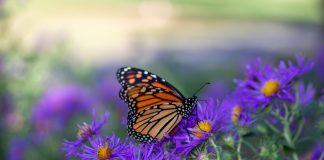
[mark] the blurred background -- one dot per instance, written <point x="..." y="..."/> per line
<point x="58" y="58"/>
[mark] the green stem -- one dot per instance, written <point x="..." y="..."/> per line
<point x="286" y="118"/>
<point x="277" y="115"/>
<point x="273" y="128"/>
<point x="215" y="147"/>
<point x="205" y="154"/>
<point x="239" y="149"/>
<point x="300" y="129"/>
<point x="250" y="146"/>
<point x="287" y="133"/>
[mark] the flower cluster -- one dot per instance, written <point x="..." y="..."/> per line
<point x="85" y="133"/>
<point x="264" y="84"/>
<point x="265" y="104"/>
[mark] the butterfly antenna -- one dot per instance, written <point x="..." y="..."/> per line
<point x="207" y="83"/>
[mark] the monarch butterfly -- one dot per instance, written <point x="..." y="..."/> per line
<point x="155" y="106"/>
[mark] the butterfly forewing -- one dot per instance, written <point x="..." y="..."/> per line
<point x="128" y="76"/>
<point x="147" y="96"/>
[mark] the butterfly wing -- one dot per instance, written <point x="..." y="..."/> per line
<point x="128" y="76"/>
<point x="154" y="122"/>
<point x="152" y="112"/>
<point x="153" y="104"/>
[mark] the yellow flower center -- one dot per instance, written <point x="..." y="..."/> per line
<point x="270" y="87"/>
<point x="236" y="112"/>
<point x="82" y="131"/>
<point x="203" y="126"/>
<point x="104" y="153"/>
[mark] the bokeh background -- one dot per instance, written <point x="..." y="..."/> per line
<point x="58" y="58"/>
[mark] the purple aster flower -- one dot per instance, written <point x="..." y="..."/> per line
<point x="264" y="83"/>
<point x="305" y="94"/>
<point x="107" y="148"/>
<point x="85" y="132"/>
<point x="56" y="106"/>
<point x="209" y="120"/>
<point x="210" y="113"/>
<point x="157" y="151"/>
<point x="149" y="151"/>
<point x="316" y="154"/>
<point x="303" y="66"/>
<point x="236" y="111"/>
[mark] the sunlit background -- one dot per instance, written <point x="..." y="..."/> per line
<point x="58" y="58"/>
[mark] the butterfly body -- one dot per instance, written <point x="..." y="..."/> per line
<point x="155" y="106"/>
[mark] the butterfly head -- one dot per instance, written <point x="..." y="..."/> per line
<point x="192" y="101"/>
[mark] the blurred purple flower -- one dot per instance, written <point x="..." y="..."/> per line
<point x="216" y="89"/>
<point x="57" y="105"/>
<point x="322" y="94"/>
<point x="316" y="154"/>
<point x="17" y="149"/>
<point x="305" y="94"/>
<point x="85" y="132"/>
<point x="265" y="83"/>
<point x="108" y="148"/>
<point x="108" y="89"/>
<point x="236" y="111"/>
<point x="303" y="66"/>
<point x="319" y="62"/>
<point x="209" y="120"/>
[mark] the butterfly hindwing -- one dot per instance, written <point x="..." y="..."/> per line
<point x="152" y="123"/>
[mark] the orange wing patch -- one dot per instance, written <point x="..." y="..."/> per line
<point x="157" y="128"/>
<point x="145" y="97"/>
<point x="160" y="85"/>
<point x="147" y="102"/>
<point x="170" y="125"/>
<point x="148" y="97"/>
<point x="131" y="81"/>
<point x="162" y="114"/>
<point x="141" y="84"/>
<point x="148" y="128"/>
<point x="151" y="105"/>
<point x="170" y="106"/>
<point x="167" y="96"/>
<point x="133" y="92"/>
